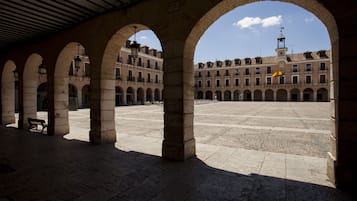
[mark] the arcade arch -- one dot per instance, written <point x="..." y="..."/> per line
<point x="8" y="93"/>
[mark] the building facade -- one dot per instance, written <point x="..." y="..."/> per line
<point x="137" y="81"/>
<point x="284" y="77"/>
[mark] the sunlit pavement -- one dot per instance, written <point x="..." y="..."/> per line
<point x="245" y="151"/>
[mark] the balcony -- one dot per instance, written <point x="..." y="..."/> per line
<point x="118" y="77"/>
<point x="131" y="79"/>
<point x="140" y="79"/>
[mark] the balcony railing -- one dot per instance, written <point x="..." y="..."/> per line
<point x="132" y="79"/>
<point x="141" y="79"/>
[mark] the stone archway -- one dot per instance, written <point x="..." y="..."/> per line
<point x="281" y="95"/>
<point x="295" y="95"/>
<point x="218" y="96"/>
<point x="236" y="95"/>
<point x="258" y="95"/>
<point x="157" y="95"/>
<point x="308" y="94"/>
<point x="119" y="96"/>
<point x="8" y="93"/>
<point x="130" y="96"/>
<point x="140" y="96"/>
<point x="269" y="95"/>
<point x="199" y="95"/>
<point x="227" y="95"/>
<point x="322" y="95"/>
<point x="247" y="95"/>
<point x="149" y="97"/>
<point x="209" y="95"/>
<point x="61" y="81"/>
<point x="31" y="78"/>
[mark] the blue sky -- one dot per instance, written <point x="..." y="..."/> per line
<point x="251" y="30"/>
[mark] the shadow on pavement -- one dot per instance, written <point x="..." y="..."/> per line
<point x="52" y="168"/>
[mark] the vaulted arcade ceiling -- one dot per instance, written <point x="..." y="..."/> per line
<point x="24" y="20"/>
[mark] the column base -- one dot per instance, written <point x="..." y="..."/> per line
<point x="331" y="161"/>
<point x="179" y="151"/>
<point x="102" y="137"/>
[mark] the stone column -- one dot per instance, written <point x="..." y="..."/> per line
<point x="179" y="142"/>
<point x="29" y="100"/>
<point x="289" y="96"/>
<point x="8" y="101"/>
<point x="263" y="95"/>
<point x="102" y="104"/>
<point x="314" y="95"/>
<point x="274" y="95"/>
<point x="153" y="96"/>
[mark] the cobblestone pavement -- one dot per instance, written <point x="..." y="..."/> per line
<point x="248" y="151"/>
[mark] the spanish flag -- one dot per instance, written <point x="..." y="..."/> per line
<point x="278" y="73"/>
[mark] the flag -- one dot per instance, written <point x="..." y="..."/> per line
<point x="278" y="73"/>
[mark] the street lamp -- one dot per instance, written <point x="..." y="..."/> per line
<point x="77" y="60"/>
<point x="134" y="47"/>
<point x="42" y="68"/>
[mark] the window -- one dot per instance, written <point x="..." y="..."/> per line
<point x="149" y="77"/>
<point x="257" y="81"/>
<point x="199" y="84"/>
<point x="295" y="79"/>
<point x="308" y="79"/>
<point x="140" y="75"/>
<point x="140" y="62"/>
<point x="237" y="72"/>
<point x="322" y="66"/>
<point x="208" y="74"/>
<point x="227" y="73"/>
<point x="322" y="78"/>
<point x="308" y="67"/>
<point x="268" y="80"/>
<point x="219" y="63"/>
<point x="237" y="62"/>
<point x="237" y="82"/>
<point x="217" y="73"/>
<point x="257" y="70"/>
<point x="148" y="64"/>
<point x="208" y="83"/>
<point x="87" y="69"/>
<point x="295" y="68"/>
<point x="218" y="83"/>
<point x="129" y="59"/>
<point x="227" y="83"/>
<point x="282" y="80"/>
<point x="201" y="65"/>
<point x="247" y="82"/>
<point x="247" y="71"/>
<point x="130" y="73"/>
<point x="157" y="65"/>
<point x="269" y="70"/>
<point x="199" y="74"/>
<point x="156" y="78"/>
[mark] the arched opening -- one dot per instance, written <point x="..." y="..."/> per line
<point x="8" y="93"/>
<point x="295" y="95"/>
<point x="32" y="78"/>
<point x="209" y="95"/>
<point x="322" y="95"/>
<point x="200" y="95"/>
<point x="281" y="95"/>
<point x="308" y="94"/>
<point x="42" y="97"/>
<point x="157" y="95"/>
<point x="218" y="96"/>
<point x="86" y="96"/>
<point x="72" y="97"/>
<point x="267" y="81"/>
<point x="140" y="96"/>
<point x="236" y="95"/>
<point x="149" y="97"/>
<point x="118" y="96"/>
<point x="258" y="95"/>
<point x="227" y="95"/>
<point x="247" y="95"/>
<point x="130" y="96"/>
<point x="269" y="95"/>
<point x="68" y="78"/>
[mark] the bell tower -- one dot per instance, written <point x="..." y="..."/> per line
<point x="281" y="49"/>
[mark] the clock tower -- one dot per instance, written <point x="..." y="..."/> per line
<point x="281" y="49"/>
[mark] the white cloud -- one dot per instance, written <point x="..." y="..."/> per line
<point x="309" y="20"/>
<point x="272" y="21"/>
<point x="248" y="22"/>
